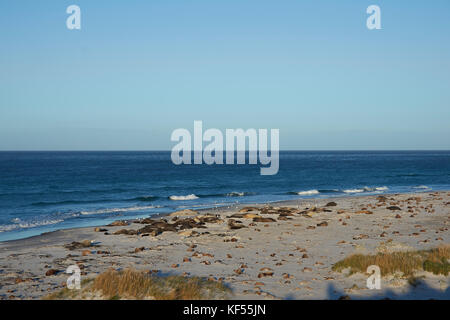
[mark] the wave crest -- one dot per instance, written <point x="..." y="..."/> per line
<point x="188" y="197"/>
<point x="26" y="225"/>
<point x="308" y="192"/>
<point x="238" y="194"/>
<point x="112" y="210"/>
<point x="422" y="187"/>
<point x="353" y="190"/>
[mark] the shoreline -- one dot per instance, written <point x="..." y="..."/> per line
<point x="227" y="207"/>
<point x="325" y="236"/>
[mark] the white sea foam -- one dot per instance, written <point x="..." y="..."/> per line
<point x="421" y="187"/>
<point x="354" y="190"/>
<point x="188" y="197"/>
<point x="236" y="194"/>
<point x="112" y="210"/>
<point x="308" y="192"/>
<point x="366" y="189"/>
<point x="26" y="225"/>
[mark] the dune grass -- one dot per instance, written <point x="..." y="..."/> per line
<point x="433" y="260"/>
<point x="67" y="294"/>
<point x="132" y="284"/>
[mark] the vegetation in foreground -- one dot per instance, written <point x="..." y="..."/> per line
<point x="434" y="260"/>
<point x="133" y="284"/>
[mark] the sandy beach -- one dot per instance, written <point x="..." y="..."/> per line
<point x="282" y="250"/>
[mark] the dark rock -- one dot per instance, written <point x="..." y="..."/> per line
<point x="331" y="204"/>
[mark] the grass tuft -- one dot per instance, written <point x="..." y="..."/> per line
<point x="433" y="260"/>
<point x="133" y="284"/>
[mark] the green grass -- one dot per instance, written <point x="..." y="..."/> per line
<point x="441" y="267"/>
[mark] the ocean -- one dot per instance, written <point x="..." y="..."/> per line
<point x="46" y="191"/>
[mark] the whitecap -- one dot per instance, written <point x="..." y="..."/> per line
<point x="308" y="192"/>
<point x="354" y="190"/>
<point x="236" y="194"/>
<point x="188" y="197"/>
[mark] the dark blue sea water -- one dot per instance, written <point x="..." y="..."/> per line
<point x="44" y="191"/>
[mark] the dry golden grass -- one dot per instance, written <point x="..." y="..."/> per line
<point x="132" y="284"/>
<point x="433" y="260"/>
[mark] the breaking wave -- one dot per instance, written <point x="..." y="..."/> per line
<point x="188" y="197"/>
<point x="19" y="224"/>
<point x="112" y="210"/>
<point x="353" y="190"/>
<point x="238" y="194"/>
<point x="365" y="189"/>
<point x="308" y="192"/>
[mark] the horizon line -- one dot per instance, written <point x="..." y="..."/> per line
<point x="283" y="150"/>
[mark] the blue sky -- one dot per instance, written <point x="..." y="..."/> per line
<point x="137" y="70"/>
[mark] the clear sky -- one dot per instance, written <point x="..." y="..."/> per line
<point x="137" y="70"/>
